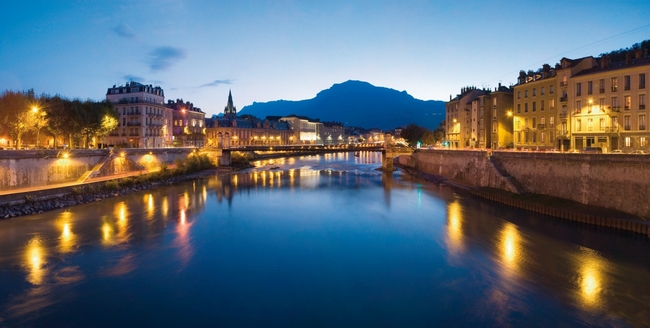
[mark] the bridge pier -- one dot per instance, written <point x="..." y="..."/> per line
<point x="387" y="162"/>
<point x="226" y="158"/>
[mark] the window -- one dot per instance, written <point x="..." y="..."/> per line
<point x="541" y="91"/>
<point x="601" y="104"/>
<point x="526" y="108"/>
<point x="494" y="114"/>
<point x="534" y="92"/>
<point x="551" y="89"/>
<point x="534" y="137"/>
<point x="525" y="93"/>
<point x="614" y="84"/>
<point x="590" y="124"/>
<point x="626" y="80"/>
<point x="627" y="141"/>
<point x="615" y="103"/>
<point x="551" y="124"/>
<point x="541" y="105"/>
<point x="542" y="120"/>
<point x="578" y="124"/>
<point x="534" y="119"/>
<point x="541" y="137"/>
<point x="641" y="101"/>
<point x="494" y="101"/>
<point x="518" y="108"/>
<point x="578" y="107"/>
<point x="614" y="122"/>
<point x="518" y="137"/>
<point x="494" y="127"/>
<point x="534" y="106"/>
<point x="551" y="104"/>
<point x="642" y="81"/>
<point x="602" y="124"/>
<point x="564" y="80"/>
<point x="643" y="141"/>
<point x="578" y="89"/>
<point x="628" y="102"/>
<point x="642" y="122"/>
<point x="518" y="94"/>
<point x="518" y="124"/>
<point x="627" y="122"/>
<point x="525" y="122"/>
<point x="590" y="87"/>
<point x="601" y="86"/>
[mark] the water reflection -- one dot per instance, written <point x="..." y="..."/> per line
<point x="499" y="265"/>
<point x="590" y="279"/>
<point x="35" y="261"/>
<point x="454" y="227"/>
<point x="68" y="238"/>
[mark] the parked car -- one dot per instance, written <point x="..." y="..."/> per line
<point x="617" y="151"/>
<point x="638" y="152"/>
<point x="592" y="150"/>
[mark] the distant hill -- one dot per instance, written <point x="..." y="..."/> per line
<point x="358" y="103"/>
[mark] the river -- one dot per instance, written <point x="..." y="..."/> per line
<point x="317" y="241"/>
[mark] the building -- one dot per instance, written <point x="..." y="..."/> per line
<point x="499" y="106"/>
<point x="461" y="114"/>
<point x="188" y="124"/>
<point x="607" y="103"/>
<point x="144" y="121"/>
<point x="230" y="130"/>
<point x="536" y="113"/>
<point x="305" y="131"/>
<point x="332" y="133"/>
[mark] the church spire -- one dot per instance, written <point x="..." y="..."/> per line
<point x="230" y="111"/>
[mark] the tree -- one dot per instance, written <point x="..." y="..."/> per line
<point x="16" y="116"/>
<point x="57" y="118"/>
<point x="413" y="133"/>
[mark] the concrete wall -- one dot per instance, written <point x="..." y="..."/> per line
<point x="30" y="168"/>
<point x="613" y="181"/>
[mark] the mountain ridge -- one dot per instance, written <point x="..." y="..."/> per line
<point x="358" y="103"/>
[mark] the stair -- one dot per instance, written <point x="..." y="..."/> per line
<point x="95" y="169"/>
<point x="498" y="166"/>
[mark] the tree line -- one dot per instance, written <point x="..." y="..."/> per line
<point x="73" y="121"/>
<point x="414" y="133"/>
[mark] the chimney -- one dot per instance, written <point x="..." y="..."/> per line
<point x="522" y="77"/>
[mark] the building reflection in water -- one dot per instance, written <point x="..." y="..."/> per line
<point x="510" y="248"/>
<point x="590" y="278"/>
<point x="182" y="241"/>
<point x="150" y="205"/>
<point x="67" y="238"/>
<point x="454" y="228"/>
<point x="35" y="260"/>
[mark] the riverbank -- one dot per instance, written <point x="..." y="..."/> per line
<point x="551" y="206"/>
<point x="93" y="192"/>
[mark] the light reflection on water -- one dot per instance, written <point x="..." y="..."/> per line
<point x="327" y="236"/>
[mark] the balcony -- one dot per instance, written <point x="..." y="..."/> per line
<point x="134" y="113"/>
<point x="563" y="116"/>
<point x="564" y="98"/>
<point x="641" y="106"/>
<point x="563" y="84"/>
<point x="541" y="126"/>
<point x="133" y="124"/>
<point x="611" y="129"/>
<point x="601" y="90"/>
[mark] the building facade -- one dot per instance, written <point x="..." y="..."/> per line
<point x="499" y="108"/>
<point x="188" y="124"/>
<point x="305" y="131"/>
<point x="460" y="120"/>
<point x="144" y="121"/>
<point x="232" y="131"/>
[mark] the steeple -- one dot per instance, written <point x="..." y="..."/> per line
<point x="230" y="111"/>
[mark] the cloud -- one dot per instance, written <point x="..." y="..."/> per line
<point x="125" y="31"/>
<point x="162" y="58"/>
<point x="216" y="83"/>
<point x="133" y="78"/>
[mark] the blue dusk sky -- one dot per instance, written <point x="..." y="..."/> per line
<point x="283" y="49"/>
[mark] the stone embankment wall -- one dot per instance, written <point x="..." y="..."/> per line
<point x="614" y="181"/>
<point x="31" y="168"/>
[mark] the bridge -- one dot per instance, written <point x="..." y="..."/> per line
<point x="266" y="151"/>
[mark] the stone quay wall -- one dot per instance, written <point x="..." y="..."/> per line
<point x="614" y="181"/>
<point x="32" y="168"/>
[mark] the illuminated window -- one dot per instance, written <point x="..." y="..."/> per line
<point x="551" y="124"/>
<point x="643" y="141"/>
<point x="614" y="84"/>
<point x="541" y="137"/>
<point x="551" y="104"/>
<point x="627" y="141"/>
<point x="628" y="102"/>
<point x="590" y="124"/>
<point x="578" y="124"/>
<point x="578" y="106"/>
<point x="602" y="124"/>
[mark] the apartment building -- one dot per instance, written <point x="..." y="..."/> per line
<point x="144" y="121"/>
<point x="499" y="108"/>
<point x="188" y="124"/>
<point x="608" y="107"/>
<point x="461" y="118"/>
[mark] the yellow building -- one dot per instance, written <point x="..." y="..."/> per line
<point x="608" y="105"/>
<point x="535" y="112"/>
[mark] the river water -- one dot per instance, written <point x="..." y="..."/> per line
<point x="319" y="241"/>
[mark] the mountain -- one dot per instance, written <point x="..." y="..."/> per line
<point x="358" y="103"/>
